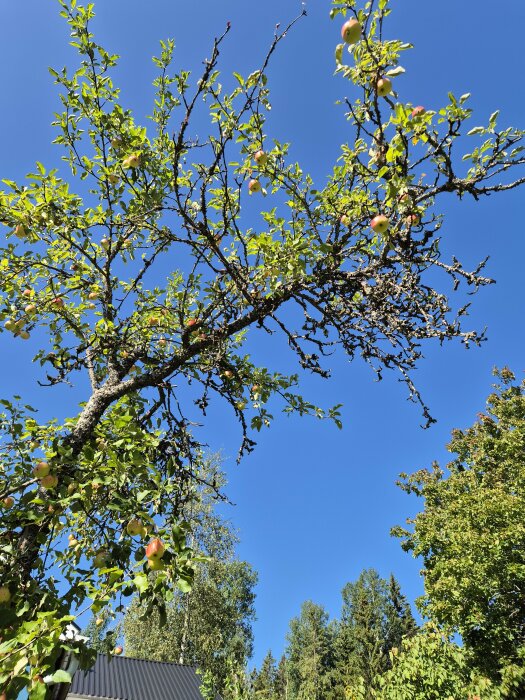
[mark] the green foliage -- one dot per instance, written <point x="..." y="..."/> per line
<point x="135" y="277"/>
<point x="471" y="535"/>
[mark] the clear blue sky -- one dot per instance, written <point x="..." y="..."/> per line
<point x="314" y="505"/>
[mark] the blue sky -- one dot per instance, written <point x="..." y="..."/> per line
<point x="314" y="504"/>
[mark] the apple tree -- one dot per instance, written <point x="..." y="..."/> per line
<point x="135" y="281"/>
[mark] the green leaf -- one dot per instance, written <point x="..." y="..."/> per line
<point x="61" y="676"/>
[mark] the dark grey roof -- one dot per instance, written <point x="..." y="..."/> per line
<point x="135" y="679"/>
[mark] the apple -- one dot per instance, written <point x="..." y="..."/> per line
<point x="27" y="293"/>
<point x="21" y="231"/>
<point x="261" y="158"/>
<point x="254" y="186"/>
<point x="101" y="559"/>
<point x="118" y="651"/>
<point x="105" y="243"/>
<point x="116" y="142"/>
<point x="99" y="621"/>
<point x="113" y="178"/>
<point x="8" y="502"/>
<point x="93" y="295"/>
<point x="255" y="389"/>
<point x="155" y="549"/>
<point x="162" y="342"/>
<point x="41" y="469"/>
<point x="3" y="696"/>
<point x="153" y="321"/>
<point x="418" y="112"/>
<point x="134" y="527"/>
<point x="24" y="335"/>
<point x="58" y="302"/>
<point x="380" y="223"/>
<point x="10" y="324"/>
<point x="49" y="482"/>
<point x="228" y="374"/>
<point x="351" y="31"/>
<point x="345" y="220"/>
<point x="412" y="220"/>
<point x="132" y="161"/>
<point x="5" y="594"/>
<point x="30" y="309"/>
<point x="156" y="564"/>
<point x="190" y="323"/>
<point x="384" y="87"/>
<point x="72" y="541"/>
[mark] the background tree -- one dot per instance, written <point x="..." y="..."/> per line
<point x="471" y="536"/>
<point x="310" y="654"/>
<point x="140" y="286"/>
<point x="265" y="680"/>
<point x="375" y="617"/>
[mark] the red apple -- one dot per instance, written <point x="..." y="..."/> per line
<point x="261" y="158"/>
<point x="5" y="594"/>
<point x="254" y="186"/>
<point x="28" y="293"/>
<point x="380" y="223"/>
<point x="351" y="31"/>
<point x="412" y="220"/>
<point x="58" y="301"/>
<point x="191" y="322"/>
<point x="49" y="482"/>
<point x="418" y="112"/>
<point x="118" y="651"/>
<point x="8" y="502"/>
<point x="41" y="469"/>
<point x="155" y="549"/>
<point x="384" y="87"/>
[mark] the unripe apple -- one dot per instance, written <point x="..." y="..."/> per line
<point x="113" y="178"/>
<point x="41" y="469"/>
<point x="351" y="31"/>
<point x="28" y="293"/>
<point x="155" y="549"/>
<point x="384" y="87"/>
<point x="72" y="541"/>
<point x="101" y="559"/>
<point x="105" y="243"/>
<point x="228" y="374"/>
<point x="345" y="220"/>
<point x="254" y="186"/>
<point x="156" y="564"/>
<point x="93" y="295"/>
<point x="30" y="309"/>
<point x="49" y="482"/>
<point x="418" y="112"/>
<point x="5" y="594"/>
<point x="24" y="335"/>
<point x="9" y="502"/>
<point x="118" y="651"/>
<point x="134" y="527"/>
<point x="261" y="158"/>
<point x="21" y="231"/>
<point x="153" y="321"/>
<point x="116" y="142"/>
<point x="58" y="302"/>
<point x="412" y="220"/>
<point x="91" y="306"/>
<point x="162" y="342"/>
<point x="132" y="161"/>
<point x="10" y="324"/>
<point x="380" y="223"/>
<point x="72" y="488"/>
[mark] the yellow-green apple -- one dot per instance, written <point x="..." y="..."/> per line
<point x="384" y="87"/>
<point x="113" y="178"/>
<point x="9" y="502"/>
<point x="162" y="342"/>
<point x="93" y="295"/>
<point x="153" y="321"/>
<point x="21" y="231"/>
<point x="351" y="31"/>
<point x="24" y="335"/>
<point x="30" y="309"/>
<point x="99" y="621"/>
<point x="49" y="482"/>
<point x="380" y="223"/>
<point x="105" y="242"/>
<point x="254" y="186"/>
<point x="116" y="142"/>
<point x="58" y="302"/>
<point x="28" y="293"/>
<point x="41" y="469"/>
<point x="101" y="559"/>
<point x="261" y="158"/>
<point x="131" y="161"/>
<point x="228" y="374"/>
<point x="155" y="549"/>
<point x="118" y="651"/>
<point x="5" y="594"/>
<point x="10" y="324"/>
<point x="345" y="220"/>
<point x="134" y="527"/>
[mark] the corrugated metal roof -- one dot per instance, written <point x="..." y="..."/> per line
<point x="124" y="678"/>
